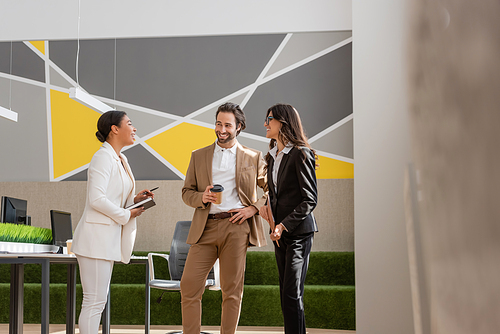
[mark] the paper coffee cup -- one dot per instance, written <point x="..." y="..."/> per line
<point x="217" y="190"/>
<point x="68" y="245"/>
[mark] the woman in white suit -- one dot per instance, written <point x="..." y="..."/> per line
<point x="106" y="231"/>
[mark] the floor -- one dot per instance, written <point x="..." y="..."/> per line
<point x="61" y="329"/>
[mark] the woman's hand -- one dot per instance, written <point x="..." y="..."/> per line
<point x="263" y="212"/>
<point x="276" y="235"/>
<point x="136" y="212"/>
<point x="142" y="195"/>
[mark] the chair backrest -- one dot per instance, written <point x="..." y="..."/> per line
<point x="179" y="251"/>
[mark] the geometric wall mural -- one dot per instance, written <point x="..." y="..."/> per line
<point x="73" y="145"/>
<point x="170" y="89"/>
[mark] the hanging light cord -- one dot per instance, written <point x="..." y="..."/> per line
<point x="78" y="46"/>
<point x="114" y="78"/>
<point x="10" y="80"/>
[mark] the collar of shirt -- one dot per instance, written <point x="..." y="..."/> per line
<point x="286" y="150"/>
<point x="221" y="149"/>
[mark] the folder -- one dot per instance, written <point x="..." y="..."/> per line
<point x="147" y="203"/>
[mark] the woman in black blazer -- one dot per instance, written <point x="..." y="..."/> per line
<point x="291" y="177"/>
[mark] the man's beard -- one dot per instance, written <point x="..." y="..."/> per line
<point x="228" y="139"/>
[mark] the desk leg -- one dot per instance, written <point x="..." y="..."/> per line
<point x="71" y="299"/>
<point x="106" y="315"/>
<point x="147" y="322"/>
<point x="16" y="298"/>
<point x="45" y="295"/>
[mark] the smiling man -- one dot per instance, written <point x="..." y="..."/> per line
<point x="224" y="230"/>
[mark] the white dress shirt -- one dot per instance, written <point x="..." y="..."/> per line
<point x="224" y="173"/>
<point x="277" y="162"/>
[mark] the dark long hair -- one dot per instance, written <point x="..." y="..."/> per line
<point x="291" y="129"/>
<point x="108" y="119"/>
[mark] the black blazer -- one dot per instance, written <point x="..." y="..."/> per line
<point x="297" y="192"/>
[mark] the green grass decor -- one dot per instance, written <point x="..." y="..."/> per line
<point x="330" y="307"/>
<point x="25" y="233"/>
<point x="329" y="294"/>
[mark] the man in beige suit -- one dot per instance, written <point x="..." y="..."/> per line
<point x="225" y="230"/>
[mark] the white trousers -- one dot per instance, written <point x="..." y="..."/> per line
<point x="95" y="275"/>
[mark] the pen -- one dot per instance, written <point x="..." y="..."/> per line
<point x="151" y="190"/>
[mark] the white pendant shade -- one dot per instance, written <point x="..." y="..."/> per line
<point x="77" y="94"/>
<point x="9" y="114"/>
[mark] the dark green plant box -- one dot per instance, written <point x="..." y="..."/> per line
<point x="329" y="307"/>
<point x="329" y="296"/>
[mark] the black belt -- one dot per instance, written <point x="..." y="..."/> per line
<point x="222" y="215"/>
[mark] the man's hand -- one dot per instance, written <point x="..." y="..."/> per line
<point x="243" y="214"/>
<point x="208" y="196"/>
<point x="263" y="212"/>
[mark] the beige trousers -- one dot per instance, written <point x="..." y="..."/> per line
<point x="228" y="242"/>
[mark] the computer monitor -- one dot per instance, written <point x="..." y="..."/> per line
<point x="14" y="210"/>
<point x="62" y="229"/>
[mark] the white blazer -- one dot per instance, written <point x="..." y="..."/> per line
<point x="106" y="230"/>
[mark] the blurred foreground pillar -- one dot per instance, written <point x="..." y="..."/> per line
<point x="455" y="123"/>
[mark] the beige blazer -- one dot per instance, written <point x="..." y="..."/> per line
<point x="249" y="174"/>
<point x="106" y="230"/>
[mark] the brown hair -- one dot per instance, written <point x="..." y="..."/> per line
<point x="291" y="128"/>
<point x="237" y="112"/>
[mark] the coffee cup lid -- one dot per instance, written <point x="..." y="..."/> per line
<point x="217" y="188"/>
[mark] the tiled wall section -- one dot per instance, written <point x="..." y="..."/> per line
<point x="334" y="213"/>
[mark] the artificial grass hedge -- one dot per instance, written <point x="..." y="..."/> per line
<point x="325" y="268"/>
<point x="328" y="298"/>
<point x="325" y="306"/>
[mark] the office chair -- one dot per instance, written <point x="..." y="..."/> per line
<point x="178" y="254"/>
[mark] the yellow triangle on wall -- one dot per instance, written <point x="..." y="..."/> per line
<point x="73" y="133"/>
<point x="176" y="144"/>
<point x="40" y="45"/>
<point x="334" y="169"/>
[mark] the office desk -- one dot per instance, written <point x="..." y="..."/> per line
<point x="18" y="261"/>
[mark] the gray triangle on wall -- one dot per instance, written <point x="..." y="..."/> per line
<point x="303" y="45"/>
<point x="145" y="123"/>
<point x="209" y="115"/>
<point x="58" y="80"/>
<point x="338" y="141"/>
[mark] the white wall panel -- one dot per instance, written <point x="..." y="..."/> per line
<point x="382" y="152"/>
<point x="57" y="19"/>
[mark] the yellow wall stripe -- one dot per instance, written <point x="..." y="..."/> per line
<point x="40" y="45"/>
<point x="73" y="133"/>
<point x="177" y="143"/>
<point x="334" y="169"/>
